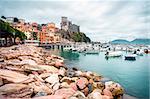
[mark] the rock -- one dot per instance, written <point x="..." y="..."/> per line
<point x="74" y="98"/>
<point x="1" y="81"/>
<point x="56" y="86"/>
<point x="24" y="58"/>
<point x="47" y="68"/>
<point x="107" y="93"/>
<point x="45" y="75"/>
<point x="78" y="95"/>
<point x="107" y="97"/>
<point x="97" y="78"/>
<point x="82" y="82"/>
<point x="59" y="63"/>
<point x="1" y="60"/>
<point x="78" y="73"/>
<point x="96" y="94"/>
<point x="115" y="88"/>
<point x="40" y="87"/>
<point x="29" y="62"/>
<point x="67" y="79"/>
<point x="41" y="94"/>
<point x="65" y="92"/>
<point x="13" y="76"/>
<point x="73" y="86"/>
<point x="64" y="85"/>
<point x="100" y="85"/>
<point x="16" y="91"/>
<point x="70" y="74"/>
<point x="62" y="71"/>
<point x="11" y="55"/>
<point x="52" y="79"/>
<point x="57" y="57"/>
<point x="50" y="97"/>
<point x="85" y="91"/>
<point x="14" y="62"/>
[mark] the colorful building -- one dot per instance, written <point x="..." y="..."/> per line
<point x="47" y="33"/>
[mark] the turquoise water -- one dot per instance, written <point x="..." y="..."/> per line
<point x="132" y="75"/>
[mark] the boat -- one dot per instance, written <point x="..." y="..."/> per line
<point x="67" y="49"/>
<point x="91" y="52"/>
<point x="130" y="57"/>
<point x="138" y="52"/>
<point x="113" y="54"/>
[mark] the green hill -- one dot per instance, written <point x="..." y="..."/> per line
<point x="143" y="41"/>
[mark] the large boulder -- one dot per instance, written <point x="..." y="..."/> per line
<point x="107" y="93"/>
<point x="52" y="79"/>
<point x="82" y="82"/>
<point x="115" y="88"/>
<point x="78" y="95"/>
<point x="13" y="76"/>
<point x="65" y="92"/>
<point x="29" y="62"/>
<point x="16" y="90"/>
<point x="40" y="87"/>
<point x="96" y="94"/>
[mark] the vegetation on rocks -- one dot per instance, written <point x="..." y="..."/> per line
<point x="76" y="37"/>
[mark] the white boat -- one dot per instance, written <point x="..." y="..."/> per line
<point x="140" y="53"/>
<point x="113" y="54"/>
<point x="67" y="48"/>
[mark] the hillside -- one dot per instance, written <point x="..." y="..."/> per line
<point x="120" y="41"/>
<point x="141" y="41"/>
<point x="76" y="37"/>
<point x="135" y="41"/>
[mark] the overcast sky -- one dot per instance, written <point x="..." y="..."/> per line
<point x="101" y="20"/>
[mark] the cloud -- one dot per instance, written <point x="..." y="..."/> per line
<point x="100" y="20"/>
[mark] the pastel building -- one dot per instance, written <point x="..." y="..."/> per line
<point x="49" y="34"/>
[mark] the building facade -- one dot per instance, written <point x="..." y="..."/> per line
<point x="44" y="33"/>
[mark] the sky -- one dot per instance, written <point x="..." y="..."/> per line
<point x="101" y="20"/>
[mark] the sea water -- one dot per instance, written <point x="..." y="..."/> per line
<point x="132" y="75"/>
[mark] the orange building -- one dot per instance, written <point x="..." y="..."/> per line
<point x="48" y="34"/>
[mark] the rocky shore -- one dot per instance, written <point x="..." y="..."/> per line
<point x="32" y="72"/>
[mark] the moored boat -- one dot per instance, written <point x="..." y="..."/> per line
<point x="130" y="57"/>
<point x="113" y="54"/>
<point x="91" y="52"/>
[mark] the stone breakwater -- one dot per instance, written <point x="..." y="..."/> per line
<point x="32" y="72"/>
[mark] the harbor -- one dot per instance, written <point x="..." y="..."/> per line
<point x="132" y="76"/>
<point x="74" y="49"/>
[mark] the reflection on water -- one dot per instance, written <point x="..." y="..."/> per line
<point x="70" y="55"/>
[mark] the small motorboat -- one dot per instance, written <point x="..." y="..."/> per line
<point x="113" y="54"/>
<point x="138" y="52"/>
<point x="130" y="57"/>
<point x="91" y="52"/>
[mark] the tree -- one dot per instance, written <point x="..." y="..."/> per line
<point x="16" y="20"/>
<point x="34" y="35"/>
<point x="3" y="17"/>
